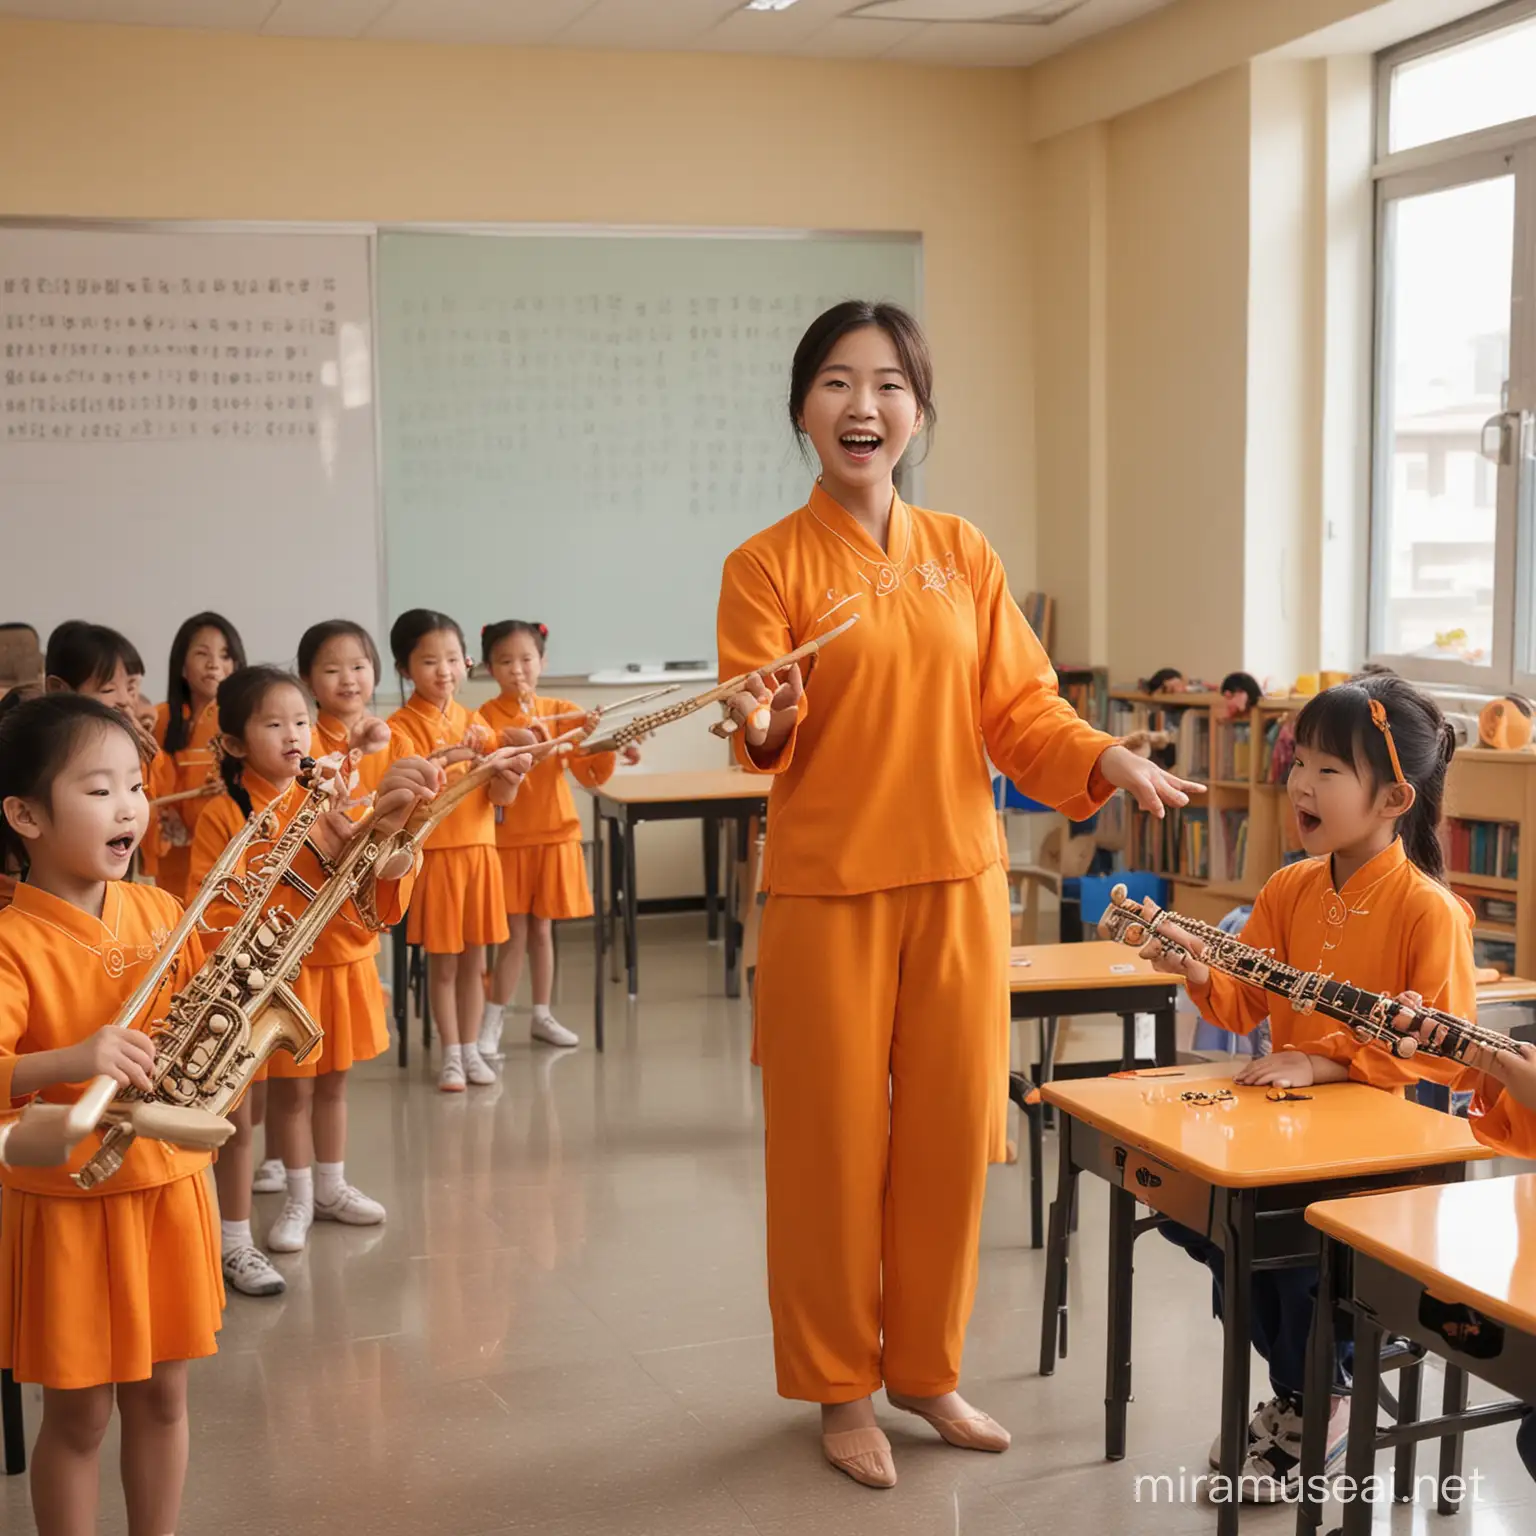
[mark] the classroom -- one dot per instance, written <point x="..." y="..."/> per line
<point x="487" y="963"/>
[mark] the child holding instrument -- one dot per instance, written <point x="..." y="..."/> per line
<point x="538" y="838"/>
<point x="339" y="984"/>
<point x="104" y="1295"/>
<point x="1366" y="786"/>
<point x="459" y="906"/>
<point x="207" y="648"/>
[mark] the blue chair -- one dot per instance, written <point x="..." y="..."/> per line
<point x="1091" y="892"/>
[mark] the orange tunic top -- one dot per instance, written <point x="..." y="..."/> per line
<point x="1391" y="929"/>
<point x="544" y="812"/>
<point x="345" y="938"/>
<point x="332" y="739"/>
<point x="420" y="729"/>
<point x="189" y="768"/>
<point x="884" y="781"/>
<point x="63" y="975"/>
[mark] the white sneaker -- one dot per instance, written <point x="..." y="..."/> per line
<point x="352" y="1208"/>
<point x="290" y="1231"/>
<point x="271" y="1177"/>
<point x="551" y="1031"/>
<point x="451" y="1078"/>
<point x="250" y="1272"/>
<point x="1262" y="1429"/>
<point x="476" y="1068"/>
<point x="490" y="1035"/>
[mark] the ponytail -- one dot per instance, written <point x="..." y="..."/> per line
<point x="1421" y="824"/>
<point x="232" y="773"/>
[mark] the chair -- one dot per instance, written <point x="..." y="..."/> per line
<point x="1028" y="878"/>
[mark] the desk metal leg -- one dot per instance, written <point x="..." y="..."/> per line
<point x="1034" y="1115"/>
<point x="615" y="894"/>
<point x="599" y="932"/>
<point x="712" y="876"/>
<point x="1236" y="1348"/>
<point x="1117" y="1379"/>
<point x="1360" y="1455"/>
<point x="14" y="1426"/>
<point x="1127" y="1042"/>
<point x="1317" y="1390"/>
<point x="424" y="998"/>
<point x="631" y="936"/>
<point x="400" y="991"/>
<point x="1053" y="1312"/>
<point x="1166" y="1052"/>
<point x="1455" y="1401"/>
<point x="1410" y="1385"/>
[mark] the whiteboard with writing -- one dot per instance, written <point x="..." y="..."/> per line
<point x="578" y="429"/>
<point x="187" y="422"/>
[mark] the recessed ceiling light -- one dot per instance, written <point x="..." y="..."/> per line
<point x="768" y="5"/>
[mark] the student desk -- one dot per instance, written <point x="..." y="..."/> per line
<point x="1048" y="982"/>
<point x="1243" y="1173"/>
<point x="1453" y="1270"/>
<point x="711" y="795"/>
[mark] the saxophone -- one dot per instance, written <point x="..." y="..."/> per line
<point x="1367" y="1015"/>
<point x="240" y="1007"/>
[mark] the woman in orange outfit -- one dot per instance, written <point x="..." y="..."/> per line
<point x="882" y="982"/>
<point x="206" y="649"/>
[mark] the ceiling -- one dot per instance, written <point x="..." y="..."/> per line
<point x="919" y="31"/>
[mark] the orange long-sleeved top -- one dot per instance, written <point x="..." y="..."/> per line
<point x="191" y="767"/>
<point x="332" y="739"/>
<point x="64" y="974"/>
<point x="420" y="729"/>
<point x="884" y="780"/>
<point x="346" y="938"/>
<point x="1391" y="929"/>
<point x="544" y="812"/>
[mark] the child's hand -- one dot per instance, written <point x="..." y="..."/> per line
<point x="1516" y="1070"/>
<point x="127" y="1056"/>
<point x="1151" y="787"/>
<point x="410" y="782"/>
<point x="590" y="722"/>
<point x="173" y="829"/>
<point x="512" y="767"/>
<point x="768" y="713"/>
<point x="369" y="735"/>
<point x="1194" y="970"/>
<point x="1283" y="1069"/>
<point x="630" y="755"/>
<point x="527" y="735"/>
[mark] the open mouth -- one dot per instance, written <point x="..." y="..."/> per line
<point x="122" y="846"/>
<point x="1308" y="823"/>
<point x="860" y="446"/>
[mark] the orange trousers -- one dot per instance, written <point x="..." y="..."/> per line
<point x="882" y="1033"/>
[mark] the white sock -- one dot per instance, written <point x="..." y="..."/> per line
<point x="453" y="1053"/>
<point x="236" y="1234"/>
<point x="541" y="1011"/>
<point x="492" y="1014"/>
<point x="329" y="1182"/>
<point x="471" y="1049"/>
<point x="301" y="1186"/>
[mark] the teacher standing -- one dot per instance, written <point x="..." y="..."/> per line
<point x="882" y="978"/>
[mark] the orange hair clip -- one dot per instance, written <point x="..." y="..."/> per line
<point x="1379" y="717"/>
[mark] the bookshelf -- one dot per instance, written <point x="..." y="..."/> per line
<point x="1086" y="689"/>
<point x="1490" y="801"/>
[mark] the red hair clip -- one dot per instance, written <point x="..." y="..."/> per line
<point x="1379" y="718"/>
<point x="543" y="630"/>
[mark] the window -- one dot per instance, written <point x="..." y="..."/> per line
<point x="1453" y="545"/>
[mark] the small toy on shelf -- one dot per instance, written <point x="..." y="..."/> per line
<point x="1505" y="724"/>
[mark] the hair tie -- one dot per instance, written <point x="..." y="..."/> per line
<point x="1379" y="718"/>
<point x="543" y="630"/>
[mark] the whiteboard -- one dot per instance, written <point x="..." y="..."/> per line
<point x="187" y="422"/>
<point x="578" y="429"/>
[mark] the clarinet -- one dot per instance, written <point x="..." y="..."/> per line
<point x="1367" y="1015"/>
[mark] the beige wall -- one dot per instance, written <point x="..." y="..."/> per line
<point x="144" y="123"/>
<point x="1177" y="379"/>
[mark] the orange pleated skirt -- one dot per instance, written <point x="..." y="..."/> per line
<point x="458" y="900"/>
<point x="105" y="1287"/>
<point x="547" y="880"/>
<point x="347" y="1002"/>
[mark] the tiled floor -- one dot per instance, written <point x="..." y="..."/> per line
<point x="562" y="1329"/>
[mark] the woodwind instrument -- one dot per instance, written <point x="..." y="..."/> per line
<point x="240" y="1006"/>
<point x="619" y="706"/>
<point x="642" y="726"/>
<point x="1367" y="1015"/>
<point x="202" y="792"/>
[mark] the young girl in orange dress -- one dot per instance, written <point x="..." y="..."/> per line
<point x="459" y="906"/>
<point x="104" y="1294"/>
<point x="339" y="984"/>
<point x="1369" y="904"/>
<point x="207" y="648"/>
<point x="882" y="981"/>
<point x="538" y="837"/>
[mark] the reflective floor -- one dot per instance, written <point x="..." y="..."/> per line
<point x="562" y="1328"/>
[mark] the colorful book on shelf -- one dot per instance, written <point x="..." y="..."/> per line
<point x="1487" y="848"/>
<point x="1234" y="832"/>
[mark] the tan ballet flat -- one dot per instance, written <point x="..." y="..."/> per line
<point x="976" y="1433"/>
<point x="864" y="1454"/>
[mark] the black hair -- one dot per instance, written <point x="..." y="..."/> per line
<point x="1243" y="682"/>
<point x="178" y="692"/>
<point x="79" y="653"/>
<point x="829" y="328"/>
<point x="240" y="696"/>
<point x="1160" y="679"/>
<point x="493" y="634"/>
<point x="1338" y="721"/>
<point x="133" y="662"/>
<point x="408" y="631"/>
<point x="317" y="636"/>
<point x="38" y="735"/>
